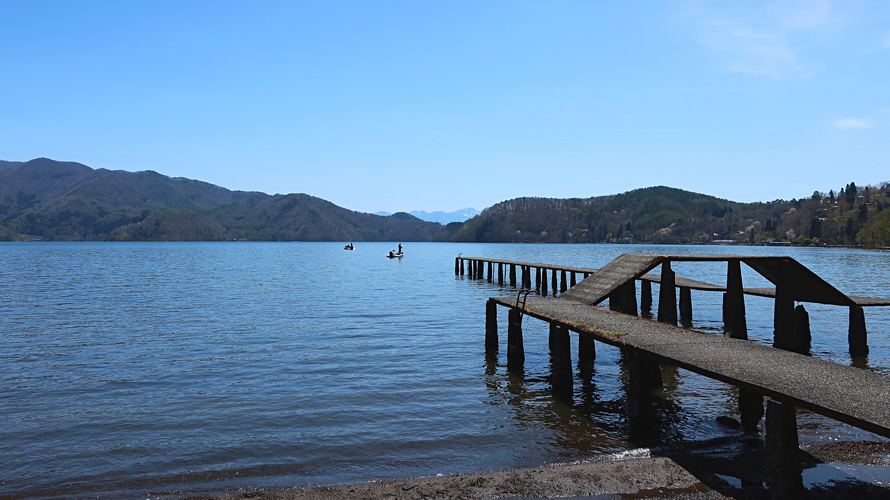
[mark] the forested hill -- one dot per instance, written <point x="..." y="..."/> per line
<point x="43" y="199"/>
<point x="853" y="216"/>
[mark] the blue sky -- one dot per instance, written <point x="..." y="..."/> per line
<point x="421" y="105"/>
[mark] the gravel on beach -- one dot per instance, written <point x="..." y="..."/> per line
<point x="638" y="474"/>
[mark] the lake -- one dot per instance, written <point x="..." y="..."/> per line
<point x="156" y="367"/>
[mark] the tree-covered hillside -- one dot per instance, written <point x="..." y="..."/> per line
<point x="49" y="200"/>
<point x="667" y="215"/>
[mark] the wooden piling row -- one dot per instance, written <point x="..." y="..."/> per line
<point x="791" y="324"/>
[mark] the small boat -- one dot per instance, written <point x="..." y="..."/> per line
<point x="349" y="247"/>
<point x="391" y="255"/>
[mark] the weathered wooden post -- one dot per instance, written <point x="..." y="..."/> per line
<point x="783" y="316"/>
<point x="856" y="334"/>
<point x="784" y="472"/>
<point x="500" y="273"/>
<point x="471" y="269"/>
<point x="491" y="329"/>
<point x="544" y="281"/>
<point x="685" y="305"/>
<point x="553" y="281"/>
<point x="480" y="269"/>
<point x="512" y="274"/>
<point x="560" y="361"/>
<point x="586" y="349"/>
<point x="538" y="278"/>
<point x="586" y="275"/>
<point x="802" y="329"/>
<point x="490" y="273"/>
<point x="461" y="267"/>
<point x="750" y="409"/>
<point x="644" y="376"/>
<point x="526" y="277"/>
<point x="624" y="299"/>
<point x="667" y="295"/>
<point x="515" y="349"/>
<point x="735" y="324"/>
<point x="645" y="298"/>
<point x="572" y="281"/>
<point x="562" y="282"/>
<point x="629" y="298"/>
<point x="456" y="266"/>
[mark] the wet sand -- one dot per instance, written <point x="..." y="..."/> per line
<point x="678" y="474"/>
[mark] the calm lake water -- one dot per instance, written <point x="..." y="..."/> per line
<point x="154" y="367"/>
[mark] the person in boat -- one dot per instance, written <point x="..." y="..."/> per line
<point x="392" y="253"/>
<point x="400" y="248"/>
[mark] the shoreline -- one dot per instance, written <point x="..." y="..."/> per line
<point x="680" y="473"/>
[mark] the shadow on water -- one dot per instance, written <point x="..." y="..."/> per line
<point x="734" y="467"/>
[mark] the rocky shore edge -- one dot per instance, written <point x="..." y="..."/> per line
<point x="637" y="474"/>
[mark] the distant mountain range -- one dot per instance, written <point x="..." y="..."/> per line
<point x="44" y="199"/>
<point x="441" y="217"/>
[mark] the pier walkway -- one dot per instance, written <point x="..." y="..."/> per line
<point x="851" y="395"/>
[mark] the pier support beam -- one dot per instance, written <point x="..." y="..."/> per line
<point x="544" y="282"/>
<point x="784" y="331"/>
<point x="624" y="299"/>
<point x="512" y="274"/>
<point x="515" y="349"/>
<point x="538" y="278"/>
<point x="456" y="266"/>
<point x="750" y="409"/>
<point x="586" y="349"/>
<point x="667" y="295"/>
<point x="500" y="273"/>
<point x="491" y="329"/>
<point x="646" y="298"/>
<point x="735" y="324"/>
<point x="856" y="335"/>
<point x="562" y="282"/>
<point x="553" y="281"/>
<point x="782" y="451"/>
<point x="644" y="376"/>
<point x="572" y="279"/>
<point x="802" y="329"/>
<point x="685" y="306"/>
<point x="490" y="273"/>
<point x="560" y="361"/>
<point x="461" y="267"/>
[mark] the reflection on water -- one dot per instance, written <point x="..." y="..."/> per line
<point x="147" y="366"/>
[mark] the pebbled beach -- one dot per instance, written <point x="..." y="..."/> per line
<point x="686" y="474"/>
